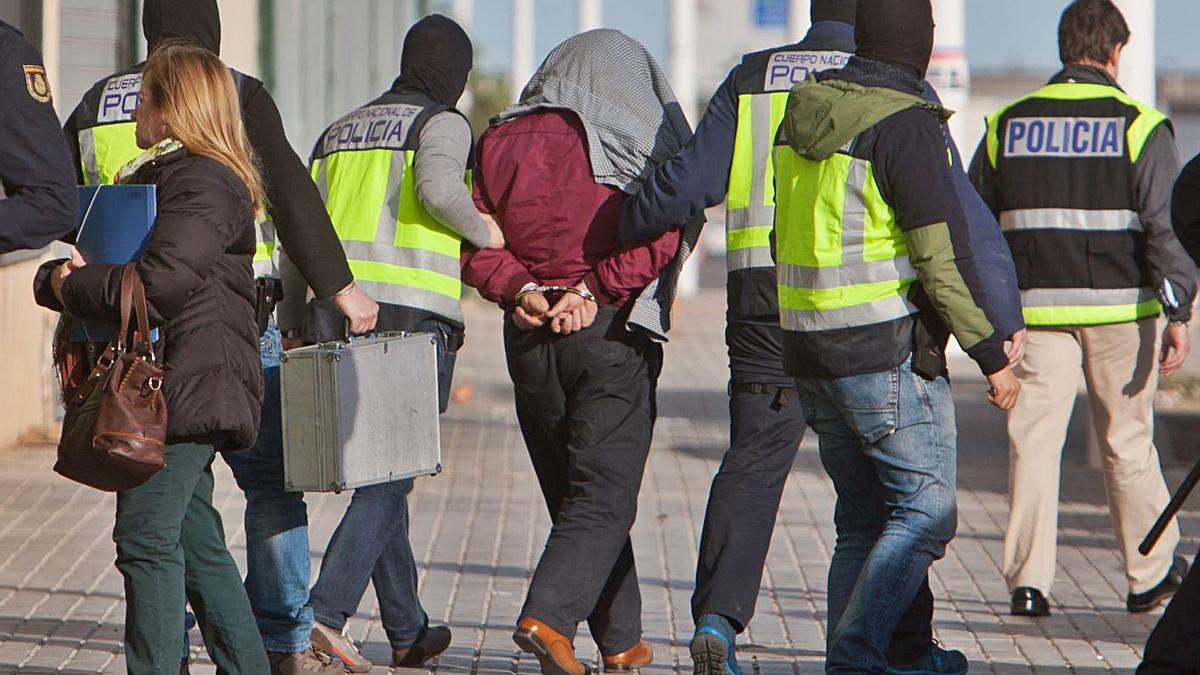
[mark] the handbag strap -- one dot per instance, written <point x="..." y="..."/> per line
<point x="133" y="301"/>
<point x="128" y="275"/>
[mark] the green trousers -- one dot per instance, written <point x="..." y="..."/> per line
<point x="171" y="550"/>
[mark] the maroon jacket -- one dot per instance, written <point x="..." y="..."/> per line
<point x="534" y="176"/>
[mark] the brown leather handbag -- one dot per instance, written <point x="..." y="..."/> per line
<point x="115" y="429"/>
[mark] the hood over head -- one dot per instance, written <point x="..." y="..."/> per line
<point x="612" y="83"/>
<point x="196" y="21"/>
<point x="898" y="32"/>
<point x="833" y="10"/>
<point x="436" y="60"/>
<point x="822" y="117"/>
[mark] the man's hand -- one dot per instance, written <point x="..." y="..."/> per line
<point x="530" y="312"/>
<point x="357" y="306"/>
<point x="1175" y="347"/>
<point x="1004" y="389"/>
<point x="572" y="313"/>
<point x="495" y="234"/>
<point x="1015" y="347"/>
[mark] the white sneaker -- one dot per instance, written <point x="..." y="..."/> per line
<point x="339" y="646"/>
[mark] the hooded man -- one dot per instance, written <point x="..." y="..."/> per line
<point x="100" y="135"/>
<point x="592" y="123"/>
<point x="868" y="241"/>
<point x="727" y="161"/>
<point x="406" y="155"/>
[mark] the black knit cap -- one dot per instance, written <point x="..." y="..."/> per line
<point x="435" y="60"/>
<point x="897" y="32"/>
<point x="833" y="10"/>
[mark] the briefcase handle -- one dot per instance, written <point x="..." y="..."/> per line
<point x="349" y="338"/>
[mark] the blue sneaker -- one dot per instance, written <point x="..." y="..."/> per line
<point x="939" y="662"/>
<point x="714" y="647"/>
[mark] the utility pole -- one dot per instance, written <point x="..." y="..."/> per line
<point x="683" y="79"/>
<point x="948" y="69"/>
<point x="683" y="54"/>
<point x="1139" y="74"/>
<point x="464" y="13"/>
<point x="591" y="15"/>
<point x="522" y="54"/>
<point x="52" y="45"/>
<point x="799" y="12"/>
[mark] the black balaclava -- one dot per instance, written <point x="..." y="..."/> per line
<point x="898" y="32"/>
<point x="833" y="10"/>
<point x="196" y="21"/>
<point x="436" y="60"/>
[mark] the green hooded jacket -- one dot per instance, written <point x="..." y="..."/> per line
<point x="822" y="117"/>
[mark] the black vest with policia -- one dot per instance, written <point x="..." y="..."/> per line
<point x="1065" y="159"/>
<point x="762" y="84"/>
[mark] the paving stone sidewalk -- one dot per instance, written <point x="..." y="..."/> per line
<point x="478" y="528"/>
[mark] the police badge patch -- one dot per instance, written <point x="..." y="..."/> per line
<point x="37" y="84"/>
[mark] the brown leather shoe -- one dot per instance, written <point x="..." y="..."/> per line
<point x="553" y="650"/>
<point x="638" y="656"/>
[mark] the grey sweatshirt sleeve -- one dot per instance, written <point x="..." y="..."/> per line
<point x="1172" y="269"/>
<point x="441" y="164"/>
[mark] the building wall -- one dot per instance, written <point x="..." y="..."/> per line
<point x="331" y="56"/>
<point x="94" y="42"/>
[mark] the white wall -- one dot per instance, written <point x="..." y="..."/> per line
<point x="240" y="34"/>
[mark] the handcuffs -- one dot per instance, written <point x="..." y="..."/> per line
<point x="586" y="295"/>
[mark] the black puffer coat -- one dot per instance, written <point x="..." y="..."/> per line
<point x="200" y="291"/>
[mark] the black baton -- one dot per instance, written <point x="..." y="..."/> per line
<point x="1172" y="509"/>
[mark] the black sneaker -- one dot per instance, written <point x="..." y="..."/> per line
<point x="1144" y="602"/>
<point x="1027" y="601"/>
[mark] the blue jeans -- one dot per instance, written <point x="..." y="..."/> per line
<point x="888" y="442"/>
<point x="371" y="544"/>
<point x="278" y="565"/>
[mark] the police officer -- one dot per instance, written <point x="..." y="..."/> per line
<point x="37" y="195"/>
<point x="868" y="230"/>
<point x="729" y="159"/>
<point x="100" y="133"/>
<point x="394" y="176"/>
<point x="1080" y="176"/>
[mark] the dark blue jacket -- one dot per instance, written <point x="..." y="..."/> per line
<point x="698" y="178"/>
<point x="991" y="257"/>
<point x="35" y="169"/>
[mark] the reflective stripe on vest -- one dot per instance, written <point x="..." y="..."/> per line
<point x="842" y="260"/>
<point x="1087" y="306"/>
<point x="1114" y="220"/>
<point x="1070" y="136"/>
<point x="112" y="143"/>
<point x="397" y="251"/>
<point x="750" y="204"/>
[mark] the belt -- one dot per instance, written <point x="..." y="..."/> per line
<point x="781" y="394"/>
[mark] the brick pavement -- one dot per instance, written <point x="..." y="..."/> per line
<point x="479" y="526"/>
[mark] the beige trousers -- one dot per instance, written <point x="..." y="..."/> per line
<point x="1120" y="366"/>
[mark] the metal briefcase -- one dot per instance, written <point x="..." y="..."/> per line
<point x="360" y="413"/>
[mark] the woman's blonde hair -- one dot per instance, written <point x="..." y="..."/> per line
<point x="199" y="102"/>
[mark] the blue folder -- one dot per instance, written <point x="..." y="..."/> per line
<point x="114" y="226"/>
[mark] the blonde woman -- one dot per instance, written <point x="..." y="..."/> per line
<point x="197" y="273"/>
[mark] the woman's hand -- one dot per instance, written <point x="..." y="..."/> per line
<point x="59" y="277"/>
<point x="572" y="313"/>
